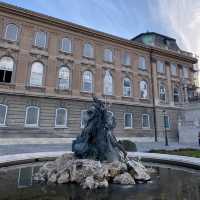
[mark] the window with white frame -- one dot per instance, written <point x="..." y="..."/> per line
<point x="162" y="92"/>
<point x="160" y="67"/>
<point x="66" y="45"/>
<point x="88" y="50"/>
<point x="87" y="81"/>
<point x="63" y="78"/>
<point x="142" y="63"/>
<point x="176" y="94"/>
<point x="128" y="120"/>
<point x="108" y="83"/>
<point x="83" y="118"/>
<point x="143" y="89"/>
<point x="126" y="87"/>
<point x="6" y="69"/>
<point x="173" y="69"/>
<point x="11" y="32"/>
<point x="40" y="39"/>
<point x="145" y="121"/>
<point x="108" y="55"/>
<point x="185" y="72"/>
<point x="36" y="77"/>
<point x="3" y="114"/>
<point x="166" y="121"/>
<point x="126" y="59"/>
<point x="32" y="116"/>
<point x="61" y="118"/>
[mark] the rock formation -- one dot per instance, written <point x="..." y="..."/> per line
<point x="88" y="173"/>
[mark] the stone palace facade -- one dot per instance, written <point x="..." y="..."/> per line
<point x="50" y="68"/>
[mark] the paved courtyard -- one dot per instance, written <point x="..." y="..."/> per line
<point x="8" y="149"/>
<point x="32" y="148"/>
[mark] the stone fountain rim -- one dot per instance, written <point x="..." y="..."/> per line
<point x="182" y="161"/>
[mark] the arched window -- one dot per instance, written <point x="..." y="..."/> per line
<point x="63" y="78"/>
<point x="40" y="39"/>
<point x="162" y="92"/>
<point x="36" y="74"/>
<point x="143" y="89"/>
<point x="127" y="87"/>
<point x="6" y="69"/>
<point x="61" y="118"/>
<point x="32" y="116"/>
<point x="66" y="45"/>
<point x="108" y="55"/>
<point x="87" y="81"/>
<point x="3" y="113"/>
<point x="108" y="83"/>
<point x="176" y="94"/>
<point x="11" y="32"/>
<point x="88" y="50"/>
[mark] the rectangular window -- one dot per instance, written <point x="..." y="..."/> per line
<point x="61" y="118"/>
<point x="126" y="59"/>
<point x="66" y="45"/>
<point x="41" y="39"/>
<point x="3" y="113"/>
<point x="83" y="116"/>
<point x="145" y="121"/>
<point x="160" y="67"/>
<point x="173" y="69"/>
<point x="142" y="63"/>
<point x="185" y="72"/>
<point x="32" y="116"/>
<point x="166" y="121"/>
<point x="108" y="55"/>
<point x="128" y="120"/>
<point x="181" y="72"/>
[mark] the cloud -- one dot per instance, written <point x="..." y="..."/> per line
<point x="180" y="19"/>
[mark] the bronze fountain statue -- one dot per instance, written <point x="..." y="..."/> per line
<point x="97" y="140"/>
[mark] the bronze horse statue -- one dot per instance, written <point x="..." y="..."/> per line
<point x="96" y="140"/>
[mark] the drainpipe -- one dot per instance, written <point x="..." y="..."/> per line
<point x="153" y="97"/>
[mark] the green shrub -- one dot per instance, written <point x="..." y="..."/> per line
<point x="128" y="145"/>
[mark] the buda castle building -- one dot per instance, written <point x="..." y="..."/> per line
<point x="50" y="69"/>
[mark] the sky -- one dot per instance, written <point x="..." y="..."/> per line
<point x="179" y="19"/>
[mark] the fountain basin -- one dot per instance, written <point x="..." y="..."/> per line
<point x="168" y="182"/>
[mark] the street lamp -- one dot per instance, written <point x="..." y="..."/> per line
<point x="165" y="128"/>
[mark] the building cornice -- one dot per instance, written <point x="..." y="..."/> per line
<point x="18" y="11"/>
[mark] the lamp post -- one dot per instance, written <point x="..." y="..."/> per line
<point x="165" y="128"/>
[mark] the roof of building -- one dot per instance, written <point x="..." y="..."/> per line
<point x="153" y="33"/>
